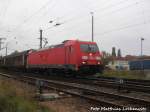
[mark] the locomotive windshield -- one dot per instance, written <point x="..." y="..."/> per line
<point x="89" y="48"/>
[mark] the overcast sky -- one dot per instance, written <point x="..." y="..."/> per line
<point x="119" y="23"/>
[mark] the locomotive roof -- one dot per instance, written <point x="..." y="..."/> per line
<point x="59" y="45"/>
<point x="76" y="41"/>
<point x="52" y="46"/>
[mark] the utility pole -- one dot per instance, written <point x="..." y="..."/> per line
<point x="6" y="49"/>
<point x="1" y="42"/>
<point x="142" y="39"/>
<point x="92" y="14"/>
<point x="142" y="66"/>
<point x="41" y="37"/>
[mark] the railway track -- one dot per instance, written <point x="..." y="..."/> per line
<point x="97" y="94"/>
<point x="123" y="84"/>
<point x="129" y="81"/>
<point x="109" y="82"/>
<point x="115" y="83"/>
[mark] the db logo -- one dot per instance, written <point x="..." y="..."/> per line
<point x="91" y="58"/>
<point x="43" y="57"/>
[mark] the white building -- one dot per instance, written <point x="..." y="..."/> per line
<point x="118" y="65"/>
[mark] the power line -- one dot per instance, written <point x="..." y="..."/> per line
<point x="122" y="28"/>
<point x="72" y="19"/>
<point x="107" y="6"/>
<point x="120" y="19"/>
<point x="4" y="9"/>
<point x="44" y="14"/>
<point x="57" y="24"/>
<point x="54" y="4"/>
<point x="35" y="13"/>
<point x="76" y="18"/>
<point x="117" y="10"/>
<point x="112" y="12"/>
<point x="64" y="22"/>
<point x="112" y="5"/>
<point x="120" y="9"/>
<point x="143" y="13"/>
<point x="137" y="17"/>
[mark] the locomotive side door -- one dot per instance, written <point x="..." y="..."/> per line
<point x="67" y="55"/>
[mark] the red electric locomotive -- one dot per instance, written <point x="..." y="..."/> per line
<point x="71" y="55"/>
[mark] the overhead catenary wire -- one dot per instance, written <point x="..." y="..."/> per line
<point x="108" y="4"/>
<point x="123" y="27"/>
<point x="61" y="17"/>
<point x="102" y="16"/>
<point x="45" y="4"/>
<point x="35" y="13"/>
<point x="135" y="18"/>
<point x="31" y="16"/>
<point x="38" y="19"/>
<point x="143" y="12"/>
<point x="118" y="10"/>
<point x="77" y="17"/>
<point x="63" y="22"/>
<point x="66" y="22"/>
<point x="5" y="8"/>
<point x="119" y="28"/>
<point x="74" y="18"/>
<point x="103" y="9"/>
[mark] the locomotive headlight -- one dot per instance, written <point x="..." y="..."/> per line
<point x="98" y="58"/>
<point x="90" y="54"/>
<point x="99" y="63"/>
<point x="83" y="62"/>
<point x="85" y="57"/>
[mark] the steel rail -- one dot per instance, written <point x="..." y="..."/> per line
<point x="121" y="83"/>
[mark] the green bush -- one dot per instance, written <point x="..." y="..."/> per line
<point x="15" y="104"/>
<point x="10" y="101"/>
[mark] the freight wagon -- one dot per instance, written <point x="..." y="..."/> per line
<point x="15" y="60"/>
<point x="139" y="65"/>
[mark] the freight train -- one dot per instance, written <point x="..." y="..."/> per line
<point x="71" y="56"/>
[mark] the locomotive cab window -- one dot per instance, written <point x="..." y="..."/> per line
<point x="89" y="47"/>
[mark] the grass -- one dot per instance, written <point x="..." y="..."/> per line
<point x="127" y="74"/>
<point x="15" y="99"/>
